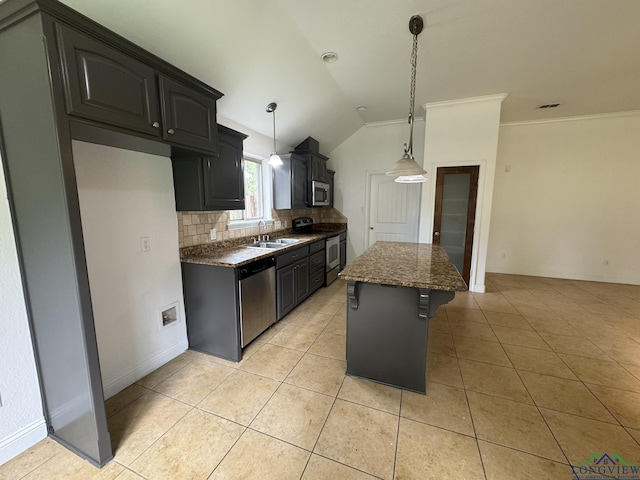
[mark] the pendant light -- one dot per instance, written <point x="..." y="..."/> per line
<point x="407" y="169"/>
<point x="274" y="159"/>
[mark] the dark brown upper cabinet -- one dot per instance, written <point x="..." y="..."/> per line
<point x="212" y="183"/>
<point x="105" y="85"/>
<point x="290" y="183"/>
<point x="317" y="167"/>
<point x="189" y="117"/>
<point x="224" y="175"/>
<point x="309" y="149"/>
<point x="331" y="181"/>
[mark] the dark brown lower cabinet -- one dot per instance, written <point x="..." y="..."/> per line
<point x="292" y="280"/>
<point x="317" y="262"/>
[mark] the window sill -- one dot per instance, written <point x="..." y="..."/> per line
<point x="237" y="224"/>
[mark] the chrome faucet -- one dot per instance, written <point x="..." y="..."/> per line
<point x="263" y="237"/>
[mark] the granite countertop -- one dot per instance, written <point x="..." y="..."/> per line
<point x="419" y="265"/>
<point x="237" y="256"/>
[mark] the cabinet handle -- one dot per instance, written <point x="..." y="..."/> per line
<point x="295" y="256"/>
<point x="155" y="124"/>
<point x="171" y="131"/>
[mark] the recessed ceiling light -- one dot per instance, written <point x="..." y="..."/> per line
<point x="329" y="57"/>
<point x="361" y="108"/>
<point x="548" y="105"/>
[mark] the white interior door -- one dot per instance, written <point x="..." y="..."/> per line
<point x="393" y="210"/>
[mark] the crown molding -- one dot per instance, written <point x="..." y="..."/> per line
<point x="461" y="101"/>
<point x="629" y="113"/>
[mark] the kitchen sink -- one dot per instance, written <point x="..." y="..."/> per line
<point x="267" y="245"/>
<point x="285" y="241"/>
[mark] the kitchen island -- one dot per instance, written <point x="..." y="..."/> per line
<point x="393" y="289"/>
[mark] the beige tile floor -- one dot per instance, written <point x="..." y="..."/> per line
<point x="523" y="380"/>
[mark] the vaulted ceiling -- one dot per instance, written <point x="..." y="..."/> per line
<point x="582" y="54"/>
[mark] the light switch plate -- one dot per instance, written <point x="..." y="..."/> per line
<point x="212" y="234"/>
<point x="145" y="244"/>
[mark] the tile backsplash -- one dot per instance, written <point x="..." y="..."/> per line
<point x="194" y="227"/>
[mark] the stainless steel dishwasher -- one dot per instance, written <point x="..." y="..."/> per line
<point x="257" y="298"/>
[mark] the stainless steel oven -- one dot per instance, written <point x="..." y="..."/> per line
<point x="320" y="194"/>
<point x="333" y="258"/>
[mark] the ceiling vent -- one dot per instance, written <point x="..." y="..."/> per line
<point x="548" y="105"/>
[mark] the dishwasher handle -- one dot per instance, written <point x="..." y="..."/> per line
<point x="256" y="267"/>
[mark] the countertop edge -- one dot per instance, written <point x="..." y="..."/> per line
<point x="210" y="258"/>
<point x="396" y="283"/>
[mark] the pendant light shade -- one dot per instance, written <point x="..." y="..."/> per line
<point x="407" y="169"/>
<point x="274" y="159"/>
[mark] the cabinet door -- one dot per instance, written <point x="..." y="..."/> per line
<point x="331" y="182"/>
<point x="285" y="286"/>
<point x="223" y="175"/>
<point x="188" y="116"/>
<point x="318" y="168"/>
<point x="343" y="254"/>
<point x="298" y="183"/>
<point x="188" y="183"/>
<point x="302" y="280"/>
<point x="103" y="84"/>
<point x="317" y="261"/>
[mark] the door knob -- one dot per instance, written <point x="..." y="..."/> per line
<point x="155" y="125"/>
<point x="171" y="131"/>
<point x="370" y="228"/>
<point x="437" y="234"/>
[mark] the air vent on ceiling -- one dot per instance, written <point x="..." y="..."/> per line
<point x="548" y="105"/>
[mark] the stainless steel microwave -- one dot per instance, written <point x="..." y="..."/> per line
<point x="320" y="194"/>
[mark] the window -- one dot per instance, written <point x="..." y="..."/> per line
<point x="254" y="198"/>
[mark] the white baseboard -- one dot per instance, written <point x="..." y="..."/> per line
<point x="144" y="368"/>
<point x="21" y="440"/>
<point x="536" y="271"/>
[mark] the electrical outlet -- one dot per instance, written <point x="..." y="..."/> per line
<point x="212" y="234"/>
<point x="145" y="244"/>
<point x="278" y="225"/>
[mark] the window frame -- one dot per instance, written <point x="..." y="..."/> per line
<point x="267" y="202"/>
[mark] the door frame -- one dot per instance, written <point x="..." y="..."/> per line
<point x="367" y="205"/>
<point x="474" y="172"/>
<point x="427" y="213"/>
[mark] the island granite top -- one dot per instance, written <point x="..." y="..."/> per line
<point x="419" y="265"/>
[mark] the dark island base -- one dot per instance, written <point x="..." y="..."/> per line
<point x="387" y="332"/>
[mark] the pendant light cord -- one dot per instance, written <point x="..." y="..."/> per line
<point x="274" y="131"/>
<point x="412" y="96"/>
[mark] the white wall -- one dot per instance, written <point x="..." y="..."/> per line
<point x="124" y="196"/>
<point x="373" y="148"/>
<point x="570" y="200"/>
<point x="458" y="133"/>
<point x="21" y="416"/>
<point x="256" y="143"/>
